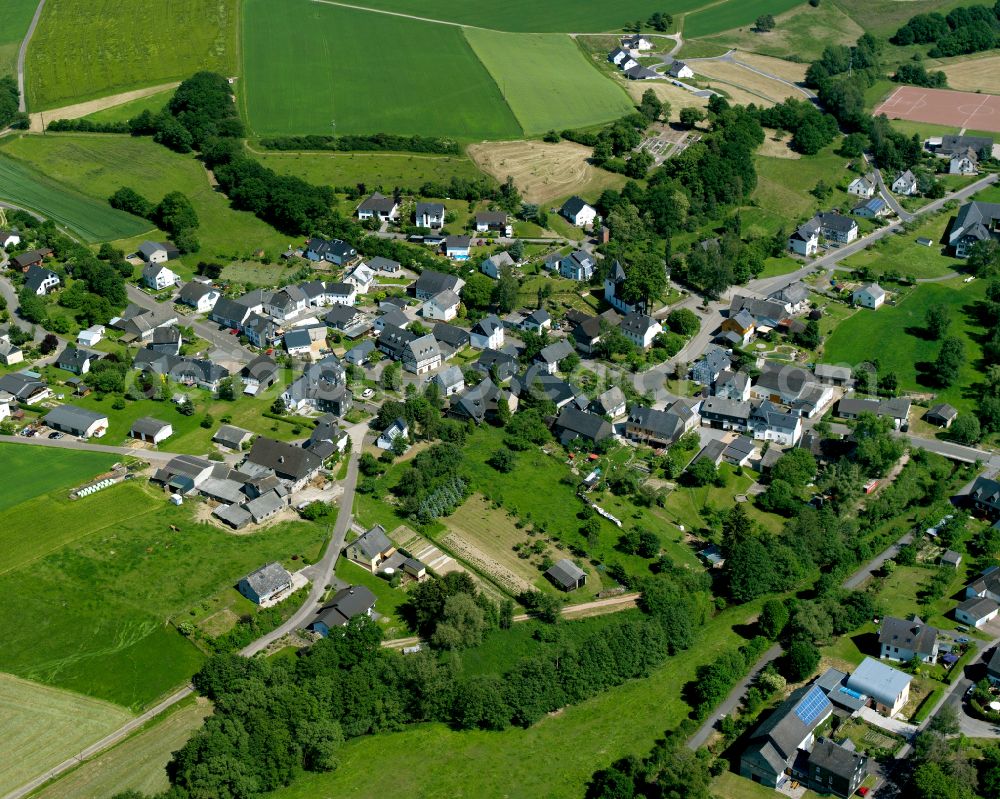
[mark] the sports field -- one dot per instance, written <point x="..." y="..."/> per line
<point x="943" y="107"/>
<point x="719" y="17"/>
<point x="86" y="616"/>
<point x="90" y="48"/>
<point x="547" y="80"/>
<point x="368" y="72"/>
<point x="43" y="726"/>
<point x="91" y="219"/>
<point x="30" y="471"/>
<point x="98" y="165"/>
<point x="16" y="18"/>
<point x="549" y="16"/>
<point x="138" y="763"/>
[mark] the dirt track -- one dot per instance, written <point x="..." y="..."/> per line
<point x="93" y="106"/>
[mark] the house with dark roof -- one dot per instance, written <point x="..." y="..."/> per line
<point x="805" y="238"/>
<point x="723" y="413"/>
<point x="578" y="265"/>
<point x="875" y="208"/>
<point x="266" y="584"/>
<point x="353" y="602"/>
<point x="770" y="423"/>
<point x="183" y="474"/>
<point x="712" y="363"/>
<point x="392" y="341"/>
<point x="502" y="364"/>
<point x="984" y="496"/>
<point x="333" y="251"/>
<point x="387" y="265"/>
<point x="200" y="296"/>
<point x="421" y="355"/>
<point x="487" y="333"/>
<point x="260" y="373"/>
<point x="565" y="574"/>
<point x="765" y="313"/>
<point x="660" y="428"/>
<point x="431" y="282"/>
<point x="397" y="430"/>
<point x="150" y="430"/>
<point x="157" y="277"/>
<point x="10" y="354"/>
<point x="986" y="585"/>
<point x="941" y="415"/>
<point x="378" y="206"/>
<point x="776" y="745"/>
<point x="229" y="313"/>
<point x="429" y="215"/>
<point x="449" y="382"/>
<point x="640" y="329"/>
<point x="905" y="639"/>
<point x="478" y="403"/>
<point x="550" y="355"/>
<point x="537" y="321"/>
<point x="322" y="387"/>
<point x="443" y="306"/>
<point x="586" y="333"/>
<point x="348" y="320"/>
<point x="976" y="221"/>
<point x="457" y="247"/>
<point x="288" y="462"/>
<point x="231" y="437"/>
<point x="614" y="291"/>
<point x="370" y="548"/>
<point x="495" y="221"/>
<point x="75" y="360"/>
<point x="836" y="768"/>
<point x="837" y="227"/>
<point x="76" y="421"/>
<point x="732" y="385"/>
<point x="578" y="212"/>
<point x="794" y="296"/>
<point x="361" y="354"/>
<point x="24" y="388"/>
<point x="834" y="375"/>
<point x="25" y="260"/>
<point x="573" y="424"/>
<point x="166" y="340"/>
<point x="40" y="281"/>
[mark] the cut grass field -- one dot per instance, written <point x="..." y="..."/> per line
<point x="386" y="170"/>
<point x="884" y="17"/>
<point x="902" y="254"/>
<point x="97" y="165"/>
<point x="90" y="219"/>
<point x="101" y="604"/>
<point x="432" y="84"/>
<point x="547" y="80"/>
<point x="729" y="14"/>
<point x="138" y="763"/>
<point x="911" y="355"/>
<point x="16" y="18"/>
<point x="544" y="172"/>
<point x="43" y="726"/>
<point x="154" y="103"/>
<point x="31" y="471"/>
<point x="974" y="74"/>
<point x="140" y="44"/>
<point x="802" y="32"/>
<point x="554" y="758"/>
<point x="529" y="16"/>
<point x="725" y="75"/>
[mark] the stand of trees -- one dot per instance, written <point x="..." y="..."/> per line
<point x="9" y="101"/>
<point x="374" y="142"/>
<point x="967" y="29"/>
<point x="174" y="214"/>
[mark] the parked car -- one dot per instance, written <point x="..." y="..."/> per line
<point x="367" y="393"/>
<point x="55" y="434"/>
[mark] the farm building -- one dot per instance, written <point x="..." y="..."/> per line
<point x="565" y="574"/>
<point x="151" y="430"/>
<point x="76" y="421"/>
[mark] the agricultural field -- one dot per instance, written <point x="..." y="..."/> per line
<point x="554" y="758"/>
<point x="385" y="170"/>
<point x="912" y="355"/>
<point x="726" y="76"/>
<point x="17" y="17"/>
<point x="974" y="74"/>
<point x="528" y="16"/>
<point x="138" y="763"/>
<point x="43" y="726"/>
<point x="93" y="220"/>
<point x="99" y="581"/>
<point x="141" y="44"/>
<point x="547" y="81"/>
<point x="666" y="92"/>
<point x="544" y="172"/>
<point x="98" y="165"/>
<point x="718" y="17"/>
<point x="432" y="85"/>
<point x="802" y="32"/>
<point x="884" y="17"/>
<point x="34" y="470"/>
<point x="154" y="103"/>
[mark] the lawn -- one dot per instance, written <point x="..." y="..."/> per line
<point x="99" y="165"/>
<point x="138" y="763"/>
<point x="383" y="171"/>
<point x="90" y="48"/>
<point x="154" y="103"/>
<point x="901" y="253"/>
<point x="911" y="355"/>
<point x="732" y="786"/>
<point x="31" y="471"/>
<point x="423" y="78"/>
<point x="17" y="17"/>
<point x="903" y="587"/>
<point x="553" y="758"/>
<point x="93" y="220"/>
<point x="388" y="599"/>
<point x="530" y="16"/>
<point x="732" y="14"/>
<point x="43" y="726"/>
<point x="548" y="81"/>
<point x="101" y="606"/>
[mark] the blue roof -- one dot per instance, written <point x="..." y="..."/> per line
<point x="876" y="204"/>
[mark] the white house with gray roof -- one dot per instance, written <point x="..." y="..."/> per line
<point x="887" y="688"/>
<point x="76" y="421"/>
<point x="266" y="584"/>
<point x="870" y="295"/>
<point x="370" y="548"/>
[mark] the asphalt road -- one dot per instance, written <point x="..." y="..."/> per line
<point x="23" y="52"/>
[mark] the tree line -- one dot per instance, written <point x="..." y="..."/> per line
<point x="370" y="143"/>
<point x="967" y="29"/>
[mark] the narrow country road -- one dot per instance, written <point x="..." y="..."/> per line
<point x="93" y="106"/>
<point x="22" y="55"/>
<point x="151" y="455"/>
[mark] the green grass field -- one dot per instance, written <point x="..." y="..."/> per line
<point x="903" y="255"/>
<point x="732" y="14"/>
<point x="35" y="470"/>
<point x="16" y="18"/>
<point x="93" y="220"/>
<point x="43" y="726"/>
<point x="94" y="615"/>
<point x="369" y="72"/>
<point x="554" y="758"/>
<point x="138" y="763"/>
<point x="124" y="112"/>
<point x="883" y="17"/>
<point x="529" y="16"/>
<point x="388" y="170"/>
<point x="90" y="48"/>
<point x="909" y="354"/>
<point x="547" y="80"/>
<point x="98" y="165"/>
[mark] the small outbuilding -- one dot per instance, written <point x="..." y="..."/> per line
<point x="151" y="430"/>
<point x="565" y="574"/>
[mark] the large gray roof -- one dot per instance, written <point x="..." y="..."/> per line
<point x="785" y="728"/>
<point x="268" y="579"/>
<point x="283" y="458"/>
<point x="566" y="573"/>
<point x="72" y="417"/>
<point x="355" y="600"/>
<point x="879" y="681"/>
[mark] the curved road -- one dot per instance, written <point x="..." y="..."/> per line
<point x="23" y="52"/>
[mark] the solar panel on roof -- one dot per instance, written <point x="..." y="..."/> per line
<point x="812" y="704"/>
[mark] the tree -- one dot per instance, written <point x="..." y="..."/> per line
<point x="691" y="116"/>
<point x="966" y="429"/>
<point x="130" y="201"/>
<point x="505" y="291"/>
<point x="278" y="406"/>
<point x="764" y="23"/>
<point x="773" y="618"/>
<point x="797" y="467"/>
<point x="503" y="460"/>
<point x="392" y="376"/>
<point x="650" y="106"/>
<point x="227" y="389"/>
<point x="477" y="291"/>
<point x="48" y="345"/>
<point x="950" y="361"/>
<point x="803" y="658"/>
<point x="462" y="623"/>
<point x="645" y="278"/>
<point x="702" y="473"/>
<point x="684" y="321"/>
<point x="780" y="498"/>
<point x="937" y="321"/>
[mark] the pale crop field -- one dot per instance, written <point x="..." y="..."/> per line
<point x="975" y="75"/>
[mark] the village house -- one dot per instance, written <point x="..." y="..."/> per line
<point x="738" y="329"/>
<point x="398" y="429"/>
<point x="770" y="423"/>
<point x="25" y="260"/>
<point x="457" y="247"/>
<point x="288" y="462"/>
<point x="443" y="306"/>
<point x="550" y="355"/>
<point x="200" y="296"/>
<point x="495" y="221"/>
<point x="805" y="239"/>
<point x="640" y="329"/>
<point x="732" y="385"/>
<point x="578" y="212"/>
<point x="154" y="252"/>
<point x="660" y="428"/>
<point x="680" y="70"/>
<point x="537" y="321"/>
<point x="421" y="355"/>
<point x="370" y="548"/>
<point x="378" y="206"/>
<point x="611" y="404"/>
<point x="984" y="496"/>
<point x="976" y="221"/>
<point x="637" y="42"/>
<point x="322" y="387"/>
<point x="905" y="184"/>
<point x="430" y="283"/>
<point x="578" y="265"/>
<point x="904" y="639"/>
<point x="334" y="251"/>
<point x="266" y="584"/>
<point x="977" y="611"/>
<point x="723" y="413"/>
<point x="166" y="340"/>
<point x="449" y="382"/>
<point x="837" y="227"/>
<point x="90" y="336"/>
<point x="157" y="277"/>
<point x="707" y="369"/>
<point x="870" y="295"/>
<point x="387" y="265"/>
<point x="362" y="277"/>
<point x="9" y="238"/>
<point x="10" y="354"/>
<point x="348" y="603"/>
<point x="494" y="265"/>
<point x="941" y="415"/>
<point x="487" y="333"/>
<point x="964" y="163"/>
<point x="75" y="360"/>
<point x="429" y="215"/>
<point x="864" y="187"/>
<point x="75" y="421"/>
<point x="573" y="423"/>
<point x="886" y="688"/>
<point x="25" y="388"/>
<point x="40" y="281"/>
<point x="614" y="287"/>
<point x="875" y="208"/>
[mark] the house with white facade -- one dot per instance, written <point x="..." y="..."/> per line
<point x="640" y="329"/>
<point x="870" y="295"/>
<point x="578" y="212"/>
<point x="487" y="333"/>
<point x="157" y="277"/>
<point x="443" y="306"/>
